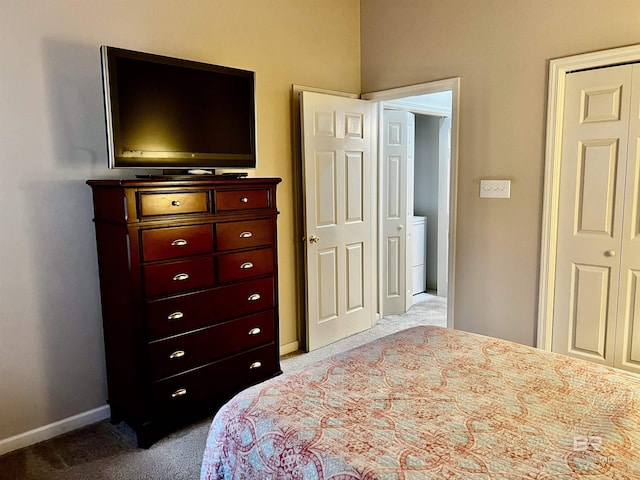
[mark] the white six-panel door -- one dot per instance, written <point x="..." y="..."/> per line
<point x="398" y="147"/>
<point x="337" y="149"/>
<point x="594" y="299"/>
<point x="628" y="325"/>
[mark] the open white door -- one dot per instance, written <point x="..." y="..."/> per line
<point x="338" y="178"/>
<point x="398" y="145"/>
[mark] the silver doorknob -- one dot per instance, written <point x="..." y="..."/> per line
<point x="314" y="239"/>
<point x="610" y="253"/>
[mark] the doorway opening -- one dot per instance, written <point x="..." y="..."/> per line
<point x="431" y="200"/>
<point x="377" y="99"/>
<point x="427" y="119"/>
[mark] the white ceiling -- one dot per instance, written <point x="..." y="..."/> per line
<point x="432" y="104"/>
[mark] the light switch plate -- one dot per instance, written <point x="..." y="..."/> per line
<point x="495" y="188"/>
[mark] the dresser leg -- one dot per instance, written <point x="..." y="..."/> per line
<point x="147" y="435"/>
<point x="116" y="416"/>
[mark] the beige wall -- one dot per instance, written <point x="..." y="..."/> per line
<point x="500" y="49"/>
<point x="52" y="140"/>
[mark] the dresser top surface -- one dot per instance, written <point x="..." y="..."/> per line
<point x="210" y="181"/>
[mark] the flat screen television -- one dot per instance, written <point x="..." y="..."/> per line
<point x="168" y="113"/>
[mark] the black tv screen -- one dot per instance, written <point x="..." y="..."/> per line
<point x="170" y="113"/>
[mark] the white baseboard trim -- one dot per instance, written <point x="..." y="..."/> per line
<point x="289" y="348"/>
<point x="46" y="432"/>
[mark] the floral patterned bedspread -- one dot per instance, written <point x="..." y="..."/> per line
<point x="432" y="403"/>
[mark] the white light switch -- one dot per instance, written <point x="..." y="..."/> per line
<point x="495" y="188"/>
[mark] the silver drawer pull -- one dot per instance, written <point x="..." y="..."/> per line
<point x="175" y="316"/>
<point x="175" y="203"/>
<point x="254" y="331"/>
<point x="246" y="265"/>
<point x="244" y="199"/>
<point x="181" y="392"/>
<point x="179" y="242"/>
<point x="177" y="354"/>
<point x="254" y="297"/>
<point x="180" y="277"/>
<point x="246" y="235"/>
<point x="255" y="365"/>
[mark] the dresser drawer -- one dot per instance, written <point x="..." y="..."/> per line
<point x="171" y="316"/>
<point x="176" y="277"/>
<point x="183" y="352"/>
<point x="223" y="377"/>
<point x="229" y="200"/>
<point x="235" y="235"/>
<point x="164" y="243"/>
<point x="241" y="265"/>
<point x="173" y="203"/>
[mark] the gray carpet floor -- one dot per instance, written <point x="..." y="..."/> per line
<point x="103" y="451"/>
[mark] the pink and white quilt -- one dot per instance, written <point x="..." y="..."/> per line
<point x="432" y="403"/>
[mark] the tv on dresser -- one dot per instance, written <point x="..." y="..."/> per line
<point x="189" y="289"/>
<point x="172" y="113"/>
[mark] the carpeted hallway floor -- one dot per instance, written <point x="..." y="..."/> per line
<point x="104" y="451"/>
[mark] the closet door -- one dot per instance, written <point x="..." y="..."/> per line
<point x="627" y="347"/>
<point x="590" y="217"/>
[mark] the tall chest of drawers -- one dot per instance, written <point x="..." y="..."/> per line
<point x="188" y="282"/>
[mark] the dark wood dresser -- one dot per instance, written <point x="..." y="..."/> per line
<point x="189" y="282"/>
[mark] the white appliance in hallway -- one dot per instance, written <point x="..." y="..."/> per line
<point x="419" y="266"/>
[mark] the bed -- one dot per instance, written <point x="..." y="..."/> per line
<point x="432" y="403"/>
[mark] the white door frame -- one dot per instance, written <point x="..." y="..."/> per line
<point x="558" y="69"/>
<point x="452" y="84"/>
<point x="444" y="162"/>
